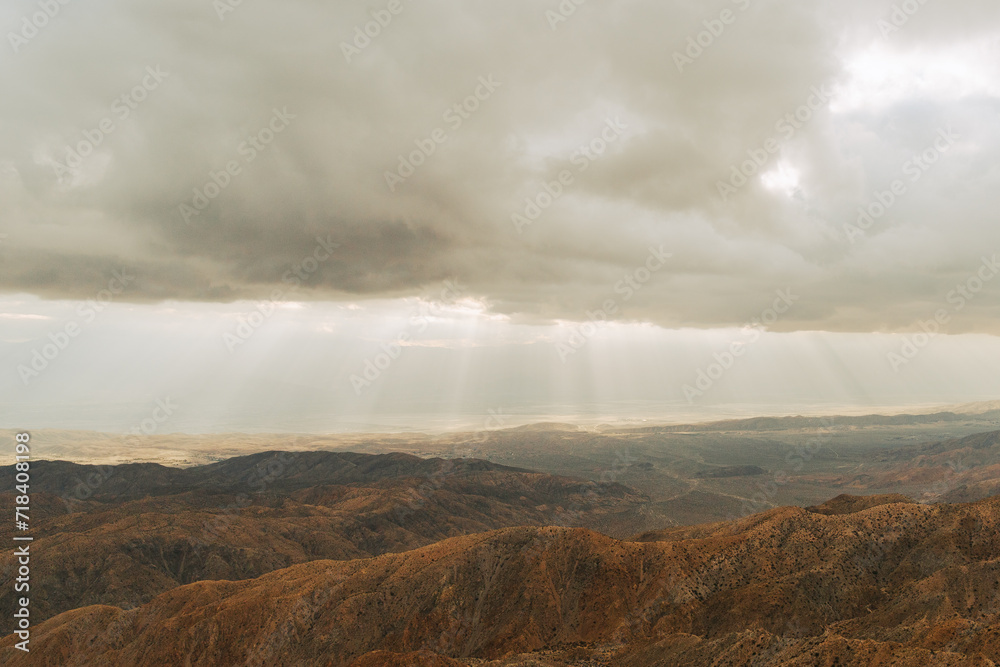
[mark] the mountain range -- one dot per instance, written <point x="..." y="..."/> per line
<point x="362" y="560"/>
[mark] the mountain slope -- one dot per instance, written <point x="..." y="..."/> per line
<point x="284" y="471"/>
<point x="124" y="552"/>
<point x="897" y="583"/>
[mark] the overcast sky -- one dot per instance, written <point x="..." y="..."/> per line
<point x="518" y="168"/>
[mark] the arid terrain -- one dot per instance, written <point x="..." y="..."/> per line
<point x="897" y="583"/>
<point x="798" y="541"/>
<point x="143" y="529"/>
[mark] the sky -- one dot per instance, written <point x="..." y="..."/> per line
<point x="315" y="216"/>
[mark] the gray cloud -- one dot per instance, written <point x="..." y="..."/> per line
<point x="323" y="176"/>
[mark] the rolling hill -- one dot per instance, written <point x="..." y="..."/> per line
<point x="144" y="529"/>
<point x="896" y="583"/>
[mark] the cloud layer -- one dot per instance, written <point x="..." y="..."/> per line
<point x="534" y="160"/>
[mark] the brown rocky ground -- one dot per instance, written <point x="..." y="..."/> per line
<point x="124" y="545"/>
<point x="895" y="584"/>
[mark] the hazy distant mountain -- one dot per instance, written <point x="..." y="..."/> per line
<point x="796" y="422"/>
<point x="978" y="408"/>
<point x="284" y="471"/>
